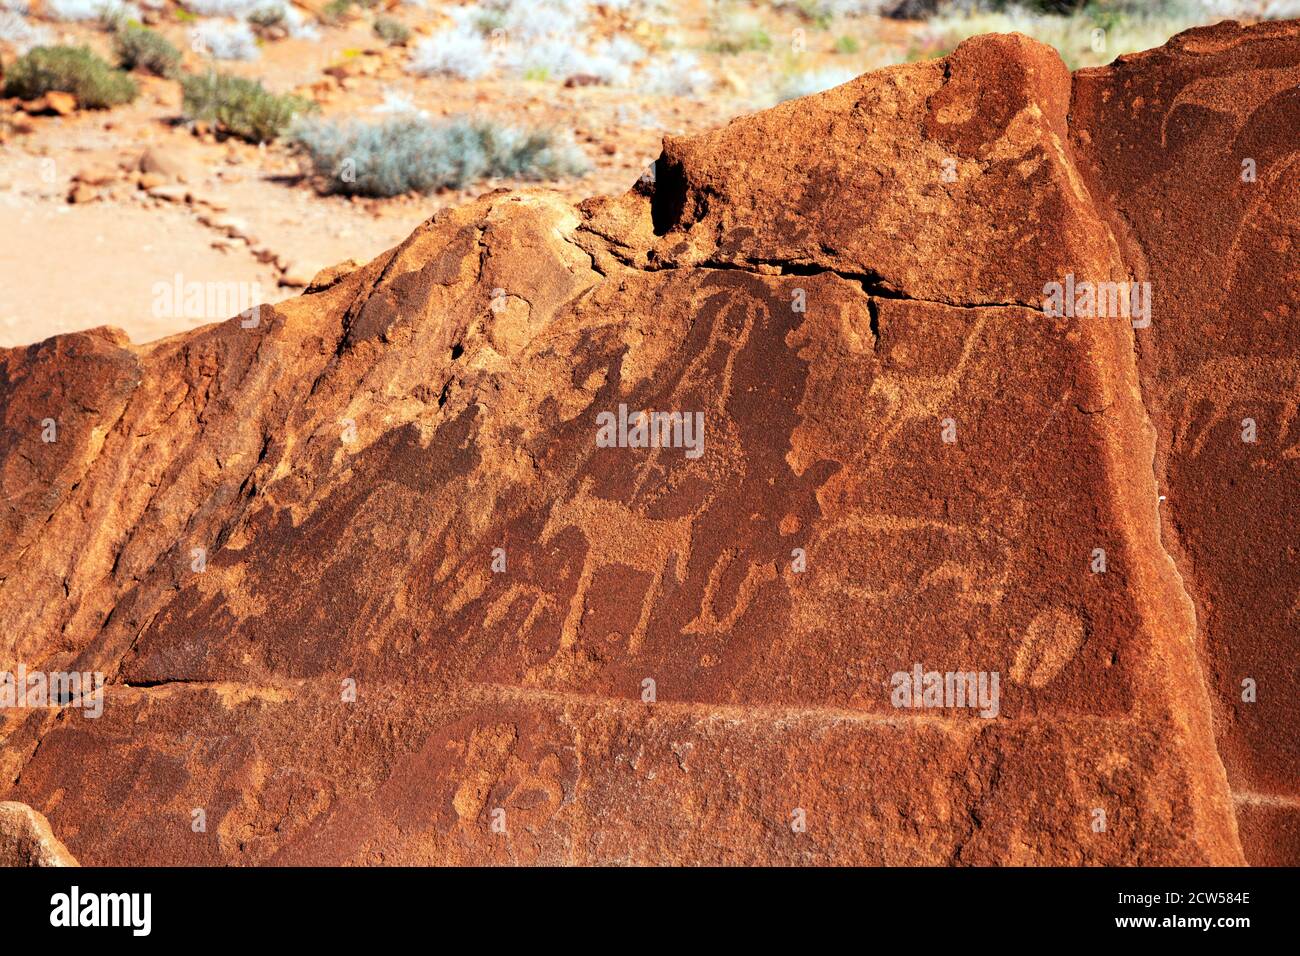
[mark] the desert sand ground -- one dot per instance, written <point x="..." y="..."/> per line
<point x="88" y="237"/>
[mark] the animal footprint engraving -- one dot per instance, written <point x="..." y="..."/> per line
<point x="1050" y="642"/>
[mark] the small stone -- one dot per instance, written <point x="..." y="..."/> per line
<point x="97" y="174"/>
<point x="171" y="164"/>
<point x="231" y="226"/>
<point x="213" y="203"/>
<point x="170" y="193"/>
<point x="82" y="193"/>
<point x="332" y="274"/>
<point x="62" y="103"/>
<point x="298" y="275"/>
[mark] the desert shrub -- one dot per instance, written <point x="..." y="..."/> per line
<point x="270" y="15"/>
<point x="733" y="32"/>
<point x="678" y="75"/>
<point x="222" y="8"/>
<point x="240" y="107"/>
<point x="622" y="49"/>
<point x="1118" y="8"/>
<point x="399" y="102"/>
<point x="1090" y="37"/>
<point x="72" y="11"/>
<point x="139" y="48"/>
<point x="536" y="40"/>
<point x="814" y="81"/>
<point x="610" y="60"/>
<point x="21" y="35"/>
<point x="459" y="52"/>
<point x="1264" y="9"/>
<point x="524" y="20"/>
<point x="335" y="12"/>
<point x="78" y="11"/>
<point x="298" y="25"/>
<point x="69" y="69"/>
<point x="115" y="15"/>
<point x="558" y="58"/>
<point x="408" y="153"/>
<point x="549" y="59"/>
<point x="392" y="31"/>
<point x="226" y="41"/>
<point x="822" y="12"/>
<point x="1042" y="6"/>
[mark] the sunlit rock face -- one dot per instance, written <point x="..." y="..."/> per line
<point x="867" y="485"/>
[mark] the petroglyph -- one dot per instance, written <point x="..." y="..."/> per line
<point x="1254" y="384"/>
<point x="617" y="534"/>
<point x="673" y="652"/>
<point x="1051" y="641"/>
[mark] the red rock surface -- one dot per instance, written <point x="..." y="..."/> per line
<point x="353" y="463"/>
<point x="26" y="839"/>
<point x="1165" y="136"/>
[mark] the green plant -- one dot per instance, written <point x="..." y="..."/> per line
<point x="741" y="42"/>
<point x="334" y="12"/>
<point x="139" y="48"/>
<point x="816" y="12"/>
<point x="794" y="85"/>
<point x="409" y="153"/>
<point x="69" y="69"/>
<point x="240" y="107"/>
<point x="267" y="17"/>
<point x="1043" y="6"/>
<point x="846" y="45"/>
<point x="391" y="30"/>
<point x="1091" y="36"/>
<point x="1105" y="19"/>
<point x="732" y="31"/>
<point x="485" y="20"/>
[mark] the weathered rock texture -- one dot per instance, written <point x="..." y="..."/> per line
<point x="396" y="487"/>
<point x="26" y="839"/>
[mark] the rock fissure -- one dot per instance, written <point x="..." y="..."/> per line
<point x="459" y="602"/>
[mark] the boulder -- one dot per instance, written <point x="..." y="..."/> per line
<point x="1190" y="152"/>
<point x="173" y="164"/>
<point x="933" y="545"/>
<point x="27" y="840"/>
